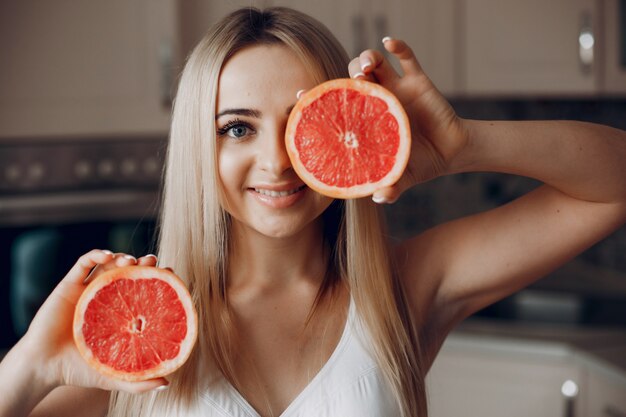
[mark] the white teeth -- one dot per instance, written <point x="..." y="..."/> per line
<point x="271" y="193"/>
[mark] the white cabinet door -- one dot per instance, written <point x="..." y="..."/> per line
<point x="493" y="385"/>
<point x="86" y="68"/>
<point x="615" y="47"/>
<point x="528" y="47"/>
<point x="428" y="27"/>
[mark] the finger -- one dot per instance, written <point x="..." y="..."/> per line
<point x="387" y="195"/>
<point x="373" y="63"/>
<point x="123" y="259"/>
<point x="86" y="263"/>
<point x="117" y="260"/>
<point x="408" y="62"/>
<point x="147" y="260"/>
<point x="355" y="70"/>
<point x="141" y="386"/>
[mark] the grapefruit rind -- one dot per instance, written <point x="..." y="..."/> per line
<point x="395" y="108"/>
<point x="165" y="367"/>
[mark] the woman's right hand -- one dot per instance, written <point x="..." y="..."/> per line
<point x="49" y="337"/>
<point x="438" y="134"/>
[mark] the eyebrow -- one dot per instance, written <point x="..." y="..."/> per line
<point x="240" y="112"/>
<point x="247" y="112"/>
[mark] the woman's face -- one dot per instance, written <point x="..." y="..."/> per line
<point x="257" y="89"/>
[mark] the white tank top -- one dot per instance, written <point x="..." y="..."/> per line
<point x="350" y="384"/>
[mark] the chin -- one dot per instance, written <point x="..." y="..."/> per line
<point x="278" y="232"/>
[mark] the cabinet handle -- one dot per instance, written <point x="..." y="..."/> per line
<point x="380" y="26"/>
<point x="358" y="32"/>
<point x="166" y="81"/>
<point x="569" y="390"/>
<point x="586" y="42"/>
<point x="611" y="411"/>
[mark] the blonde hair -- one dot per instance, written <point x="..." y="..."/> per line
<point x="194" y="227"/>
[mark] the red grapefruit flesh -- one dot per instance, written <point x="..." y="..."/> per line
<point x="348" y="138"/>
<point x="135" y="323"/>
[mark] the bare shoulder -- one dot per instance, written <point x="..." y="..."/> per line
<point x="73" y="401"/>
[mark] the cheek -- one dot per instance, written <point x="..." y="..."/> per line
<point x="231" y="171"/>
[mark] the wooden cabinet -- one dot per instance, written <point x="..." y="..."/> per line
<point x="533" y="47"/>
<point x="86" y="68"/>
<point x="426" y="25"/>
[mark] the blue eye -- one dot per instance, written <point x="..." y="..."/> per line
<point x="235" y="129"/>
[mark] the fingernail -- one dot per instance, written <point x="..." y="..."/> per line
<point x="359" y="75"/>
<point x="162" y="387"/>
<point x="129" y="257"/>
<point x="365" y="64"/>
<point x="379" y="199"/>
<point x="299" y="94"/>
<point x="386" y="38"/>
<point x="108" y="252"/>
<point x="151" y="255"/>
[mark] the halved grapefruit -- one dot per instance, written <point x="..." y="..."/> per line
<point x="347" y="138"/>
<point x="135" y="323"/>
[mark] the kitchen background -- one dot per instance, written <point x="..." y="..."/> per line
<point x="85" y="96"/>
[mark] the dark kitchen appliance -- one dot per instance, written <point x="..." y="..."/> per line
<point x="59" y="198"/>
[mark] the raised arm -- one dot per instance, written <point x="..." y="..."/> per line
<point x="461" y="266"/>
<point x="475" y="261"/>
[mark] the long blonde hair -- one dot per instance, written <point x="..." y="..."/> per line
<point x="194" y="228"/>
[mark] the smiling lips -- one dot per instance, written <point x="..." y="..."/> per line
<point x="278" y="198"/>
<point x="272" y="193"/>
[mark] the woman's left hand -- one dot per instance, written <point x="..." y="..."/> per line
<point x="438" y="134"/>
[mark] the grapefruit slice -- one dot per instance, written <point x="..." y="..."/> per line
<point x="347" y="138"/>
<point x="135" y="323"/>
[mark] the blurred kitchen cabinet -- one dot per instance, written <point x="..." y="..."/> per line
<point x="532" y="47"/>
<point x="86" y="68"/>
<point x="358" y="24"/>
<point x="614" y="24"/>
<point x="483" y="382"/>
<point x="197" y="16"/>
<point x="605" y="396"/>
<point x="426" y="25"/>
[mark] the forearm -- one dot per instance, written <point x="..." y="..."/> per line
<point x="583" y="160"/>
<point x="23" y="385"/>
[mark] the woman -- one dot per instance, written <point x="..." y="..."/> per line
<point x="305" y="309"/>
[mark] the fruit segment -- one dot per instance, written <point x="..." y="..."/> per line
<point x="133" y="325"/>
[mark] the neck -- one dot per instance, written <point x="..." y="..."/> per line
<point x="266" y="263"/>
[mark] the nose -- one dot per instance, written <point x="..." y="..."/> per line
<point x="273" y="156"/>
